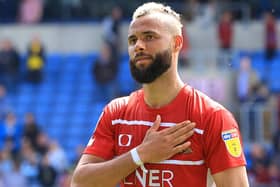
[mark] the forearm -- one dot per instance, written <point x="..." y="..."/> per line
<point x="108" y="173"/>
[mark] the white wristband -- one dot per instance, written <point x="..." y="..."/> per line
<point x="137" y="160"/>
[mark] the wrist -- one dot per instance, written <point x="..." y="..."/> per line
<point x="135" y="157"/>
<point x="137" y="160"/>
<point x="141" y="152"/>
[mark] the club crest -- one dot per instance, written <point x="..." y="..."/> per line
<point x="231" y="139"/>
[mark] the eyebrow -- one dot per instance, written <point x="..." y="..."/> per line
<point x="149" y="32"/>
<point x="144" y="33"/>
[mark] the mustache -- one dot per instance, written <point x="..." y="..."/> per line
<point x="142" y="54"/>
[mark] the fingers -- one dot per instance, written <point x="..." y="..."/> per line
<point x="183" y="131"/>
<point x="183" y="135"/>
<point x="176" y="127"/>
<point x="182" y="147"/>
<point x="156" y="124"/>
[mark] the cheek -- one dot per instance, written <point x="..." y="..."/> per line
<point x="130" y="52"/>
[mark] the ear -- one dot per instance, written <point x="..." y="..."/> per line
<point x="178" y="42"/>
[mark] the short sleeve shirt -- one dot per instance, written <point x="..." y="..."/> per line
<point x="216" y="144"/>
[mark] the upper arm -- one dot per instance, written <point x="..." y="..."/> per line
<point x="87" y="158"/>
<point x="223" y="144"/>
<point x="232" y="177"/>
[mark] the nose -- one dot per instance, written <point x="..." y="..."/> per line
<point x="139" y="46"/>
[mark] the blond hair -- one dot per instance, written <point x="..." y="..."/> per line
<point x="153" y="7"/>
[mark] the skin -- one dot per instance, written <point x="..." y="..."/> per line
<point x="151" y="34"/>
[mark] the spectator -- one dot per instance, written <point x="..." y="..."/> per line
<point x="249" y="94"/>
<point x="35" y="61"/>
<point x="6" y="164"/>
<point x="29" y="164"/>
<point x="9" y="65"/>
<point x="247" y="80"/>
<point x="4" y="105"/>
<point x="270" y="36"/>
<point x="206" y="16"/>
<point x="31" y="11"/>
<point x="12" y="132"/>
<point x="112" y="31"/>
<point x="31" y="130"/>
<point x="42" y="144"/>
<point x="274" y="175"/>
<point x="57" y="158"/>
<point x="15" y="178"/>
<point x="104" y="71"/>
<point x="47" y="174"/>
<point x="260" y="160"/>
<point x="225" y="31"/>
<point x="225" y="37"/>
<point x="192" y="12"/>
<point x="261" y="93"/>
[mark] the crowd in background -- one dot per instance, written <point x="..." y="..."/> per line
<point x="11" y="63"/>
<point x="29" y="158"/>
<point x="35" y="11"/>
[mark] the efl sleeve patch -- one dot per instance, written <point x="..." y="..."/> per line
<point x="233" y="145"/>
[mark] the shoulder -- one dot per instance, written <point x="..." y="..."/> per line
<point x="208" y="109"/>
<point x="122" y="103"/>
<point x="204" y="103"/>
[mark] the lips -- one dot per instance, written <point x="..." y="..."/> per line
<point x="142" y="57"/>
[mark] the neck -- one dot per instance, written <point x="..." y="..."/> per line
<point x="162" y="91"/>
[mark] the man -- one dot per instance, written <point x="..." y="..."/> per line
<point x="166" y="134"/>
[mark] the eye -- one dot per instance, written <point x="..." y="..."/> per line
<point x="132" y="41"/>
<point x="149" y="37"/>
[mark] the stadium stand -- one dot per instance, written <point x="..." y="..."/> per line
<point x="64" y="102"/>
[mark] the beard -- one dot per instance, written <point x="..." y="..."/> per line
<point x="160" y="64"/>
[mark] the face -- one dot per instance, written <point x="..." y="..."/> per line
<point x="160" y="64"/>
<point x="149" y="47"/>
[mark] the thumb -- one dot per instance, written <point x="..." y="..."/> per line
<point x="156" y="123"/>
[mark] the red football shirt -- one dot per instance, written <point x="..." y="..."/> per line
<point x="216" y="143"/>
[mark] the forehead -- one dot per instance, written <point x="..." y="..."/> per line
<point x="151" y="22"/>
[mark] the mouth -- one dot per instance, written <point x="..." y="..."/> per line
<point x="142" y="58"/>
<point x="142" y="63"/>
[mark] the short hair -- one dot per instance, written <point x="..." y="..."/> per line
<point x="152" y="7"/>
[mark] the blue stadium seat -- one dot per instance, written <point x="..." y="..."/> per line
<point x="64" y="103"/>
<point x="53" y="62"/>
<point x="274" y="81"/>
<point x="90" y="58"/>
<point x="260" y="65"/>
<point x="126" y="82"/>
<point x="24" y="98"/>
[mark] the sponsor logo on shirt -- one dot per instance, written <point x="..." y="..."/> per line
<point x="231" y="139"/>
<point x="154" y="177"/>
<point x="125" y="140"/>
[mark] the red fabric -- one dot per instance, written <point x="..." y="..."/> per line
<point x="125" y="121"/>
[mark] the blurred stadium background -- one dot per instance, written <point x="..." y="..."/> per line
<point x="66" y="99"/>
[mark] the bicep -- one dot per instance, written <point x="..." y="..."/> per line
<point x="87" y="158"/>
<point x="232" y="177"/>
